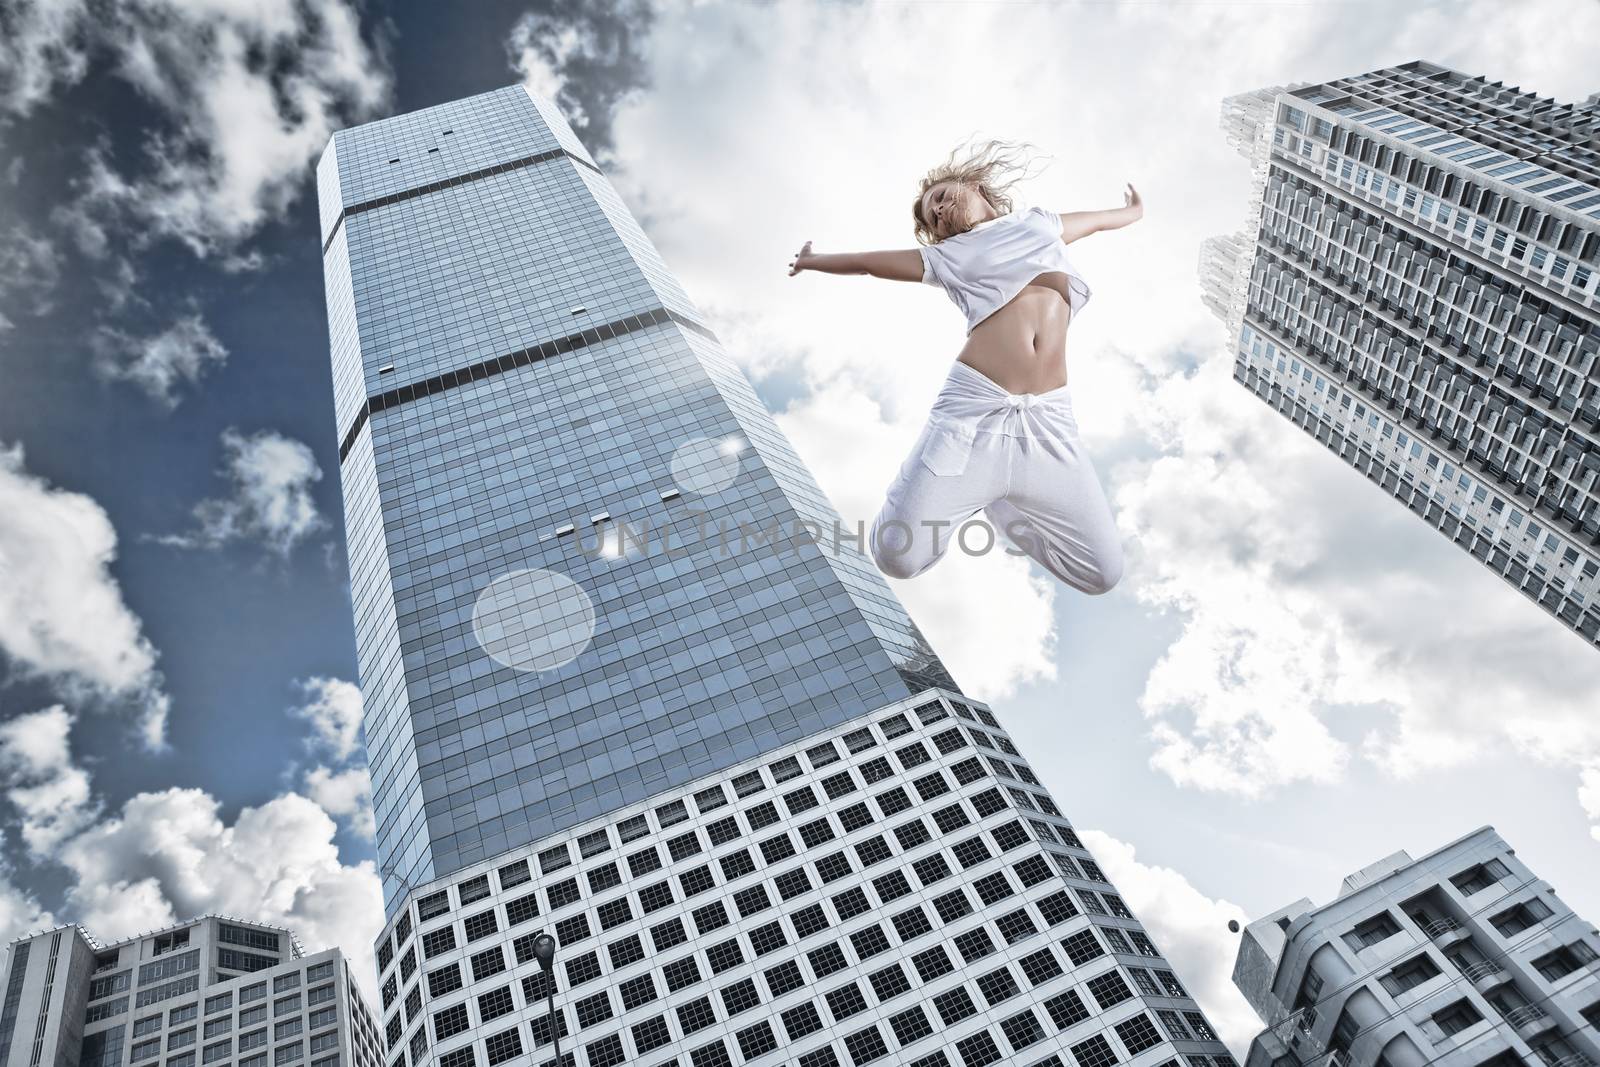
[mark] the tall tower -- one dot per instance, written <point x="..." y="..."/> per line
<point x="756" y="816"/>
<point x="517" y="376"/>
<point x="1416" y="288"/>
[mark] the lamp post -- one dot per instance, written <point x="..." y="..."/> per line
<point x="544" y="950"/>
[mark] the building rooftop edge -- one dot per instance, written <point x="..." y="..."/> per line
<point x="99" y="946"/>
<point x="1345" y="895"/>
<point x="1413" y="861"/>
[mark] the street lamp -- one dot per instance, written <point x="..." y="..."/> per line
<point x="544" y="950"/>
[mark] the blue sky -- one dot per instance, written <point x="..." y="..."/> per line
<point x="1295" y="678"/>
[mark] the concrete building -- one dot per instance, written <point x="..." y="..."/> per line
<point x="1463" y="957"/>
<point x="760" y="821"/>
<point x="898" y="890"/>
<point x="1415" y="287"/>
<point x="214" y="991"/>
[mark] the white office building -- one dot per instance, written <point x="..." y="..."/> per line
<point x="1463" y="957"/>
<point x="900" y="890"/>
<point x="1416" y="287"/>
<point x="216" y="991"/>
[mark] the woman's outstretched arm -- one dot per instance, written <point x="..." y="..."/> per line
<point x="1076" y="224"/>
<point x="900" y="265"/>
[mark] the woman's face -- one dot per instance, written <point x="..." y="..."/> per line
<point x="951" y="208"/>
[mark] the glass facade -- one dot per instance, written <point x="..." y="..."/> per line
<point x="1418" y="287"/>
<point x="517" y="375"/>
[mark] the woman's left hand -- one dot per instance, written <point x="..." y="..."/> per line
<point x="1132" y="202"/>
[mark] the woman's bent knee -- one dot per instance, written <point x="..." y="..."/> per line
<point x="897" y="560"/>
<point x="899" y="566"/>
<point x="1106" y="574"/>
<point x="895" y="551"/>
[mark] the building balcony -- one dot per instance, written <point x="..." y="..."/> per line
<point x="1484" y="972"/>
<point x="1529" y="1017"/>
<point x="1445" y="930"/>
<point x="1576" y="1059"/>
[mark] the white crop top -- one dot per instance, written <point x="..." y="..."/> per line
<point x="984" y="267"/>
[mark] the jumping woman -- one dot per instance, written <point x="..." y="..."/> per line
<point x="1001" y="437"/>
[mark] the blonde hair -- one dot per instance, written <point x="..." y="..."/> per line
<point x="991" y="169"/>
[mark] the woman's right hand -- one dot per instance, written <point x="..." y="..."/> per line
<point x="798" y="264"/>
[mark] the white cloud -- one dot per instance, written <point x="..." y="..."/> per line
<point x="1306" y="593"/>
<point x="1589" y="797"/>
<point x="346" y="794"/>
<point x="20" y="911"/>
<point x="270" y="501"/>
<point x="51" y="794"/>
<point x="584" y="57"/>
<point x="160" y="363"/>
<point x="62" y="615"/>
<point x="250" y="94"/>
<point x="42" y="47"/>
<point x="1190" y="928"/>
<point x="540" y="50"/>
<point x="30" y="267"/>
<point x="333" y="708"/>
<point x="169" y="856"/>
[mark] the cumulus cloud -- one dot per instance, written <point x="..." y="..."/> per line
<point x="20" y="910"/>
<point x="43" y="46"/>
<point x="248" y="94"/>
<point x="344" y="788"/>
<point x="1308" y="594"/>
<point x="51" y="794"/>
<point x="585" y="56"/>
<point x="62" y="615"/>
<point x="270" y="502"/>
<point x="167" y="856"/>
<point x="30" y="267"/>
<point x="333" y="708"/>
<point x="1190" y="928"/>
<point x="346" y="794"/>
<point x="161" y="363"/>
<point x="1589" y="796"/>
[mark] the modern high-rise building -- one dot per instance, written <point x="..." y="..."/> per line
<point x="1415" y="287"/>
<point x="1463" y="957"/>
<point x="730" y="779"/>
<point x="213" y="991"/>
<point x="516" y="374"/>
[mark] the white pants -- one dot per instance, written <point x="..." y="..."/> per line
<point x="1016" y="457"/>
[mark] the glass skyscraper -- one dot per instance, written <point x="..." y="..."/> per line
<point x="1416" y="288"/>
<point x="758" y="817"/>
<point x="511" y="361"/>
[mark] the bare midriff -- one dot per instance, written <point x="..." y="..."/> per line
<point x="1022" y="347"/>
